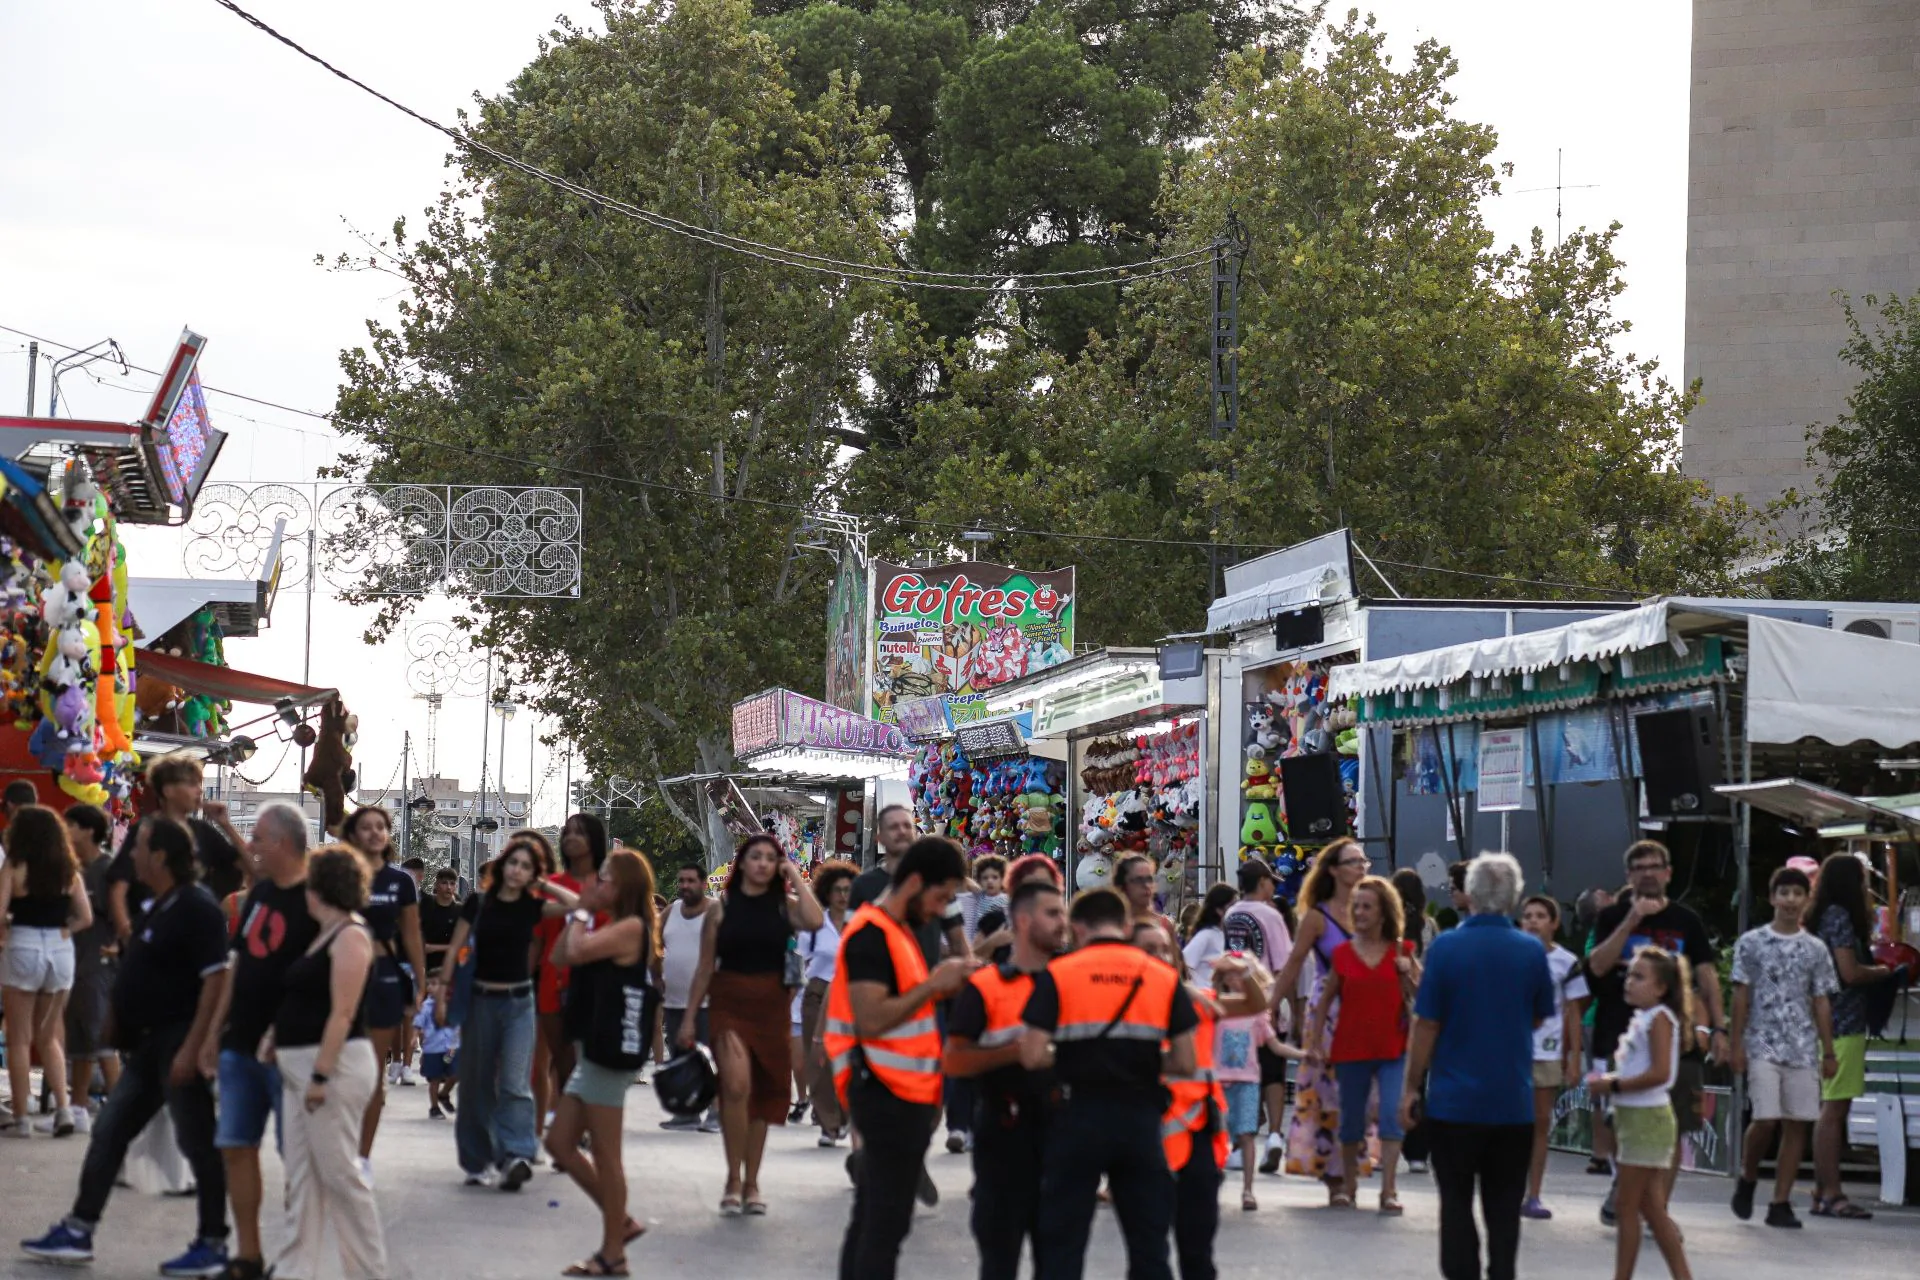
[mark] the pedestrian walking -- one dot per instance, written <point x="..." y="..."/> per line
<point x="43" y="901"/>
<point x="1840" y="915"/>
<point x="1098" y="1016"/>
<point x="1373" y="978"/>
<point x="1326" y="921"/>
<point x="885" y="1047"/>
<point x="95" y="955"/>
<point x="1421" y="929"/>
<point x="329" y="1075"/>
<point x="1207" y="941"/>
<point x="1645" y="1131"/>
<point x="163" y="1004"/>
<point x="275" y="930"/>
<point x="583" y="851"/>
<point x="682" y="925"/>
<point x="399" y="981"/>
<point x="1783" y="979"/>
<point x="439" y="913"/>
<point x="609" y="1003"/>
<point x="1485" y="988"/>
<point x="1009" y="1123"/>
<point x="1253" y="926"/>
<point x="1239" y="1065"/>
<point x="743" y="960"/>
<point x="175" y="781"/>
<point x="493" y="1130"/>
<point x="832" y="886"/>
<point x="1556" y="1042"/>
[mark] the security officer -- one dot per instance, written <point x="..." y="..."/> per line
<point x="1194" y="1131"/>
<point x="1099" y="1016"/>
<point x="884" y="1047"/>
<point x="1010" y="1110"/>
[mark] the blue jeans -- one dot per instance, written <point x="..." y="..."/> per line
<point x="1356" y="1082"/>
<point x="495" y="1120"/>
<point x="249" y="1097"/>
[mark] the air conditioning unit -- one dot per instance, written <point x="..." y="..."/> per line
<point x="1881" y="623"/>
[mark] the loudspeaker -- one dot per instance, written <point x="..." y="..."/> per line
<point x="1300" y="628"/>
<point x="1680" y="762"/>
<point x="1316" y="802"/>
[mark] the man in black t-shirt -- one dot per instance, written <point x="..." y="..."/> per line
<point x="274" y="931"/>
<point x="170" y="983"/>
<point x="175" y="783"/>
<point x="1647" y="917"/>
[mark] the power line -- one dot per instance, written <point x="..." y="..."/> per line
<point x="1082" y="278"/>
<point x="1506" y="577"/>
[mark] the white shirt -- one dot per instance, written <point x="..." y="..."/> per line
<point x="1548" y="1036"/>
<point x="1206" y="946"/>
<point x="821" y="947"/>
<point x="1636" y="1058"/>
<point x="680" y="953"/>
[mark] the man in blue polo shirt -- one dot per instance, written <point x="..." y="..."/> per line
<point x="1486" y="987"/>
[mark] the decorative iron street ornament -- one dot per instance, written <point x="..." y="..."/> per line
<point x="442" y="662"/>
<point x="394" y="539"/>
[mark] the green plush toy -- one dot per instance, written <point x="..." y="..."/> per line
<point x="1258" y="827"/>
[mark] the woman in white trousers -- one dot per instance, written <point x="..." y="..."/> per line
<point x="329" y="1074"/>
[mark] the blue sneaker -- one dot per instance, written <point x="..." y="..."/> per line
<point x="62" y="1244"/>
<point x="202" y="1258"/>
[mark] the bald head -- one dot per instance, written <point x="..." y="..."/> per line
<point x="279" y="845"/>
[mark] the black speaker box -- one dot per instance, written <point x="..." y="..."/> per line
<point x="1299" y="629"/>
<point x="1680" y="762"/>
<point x="1316" y="802"/>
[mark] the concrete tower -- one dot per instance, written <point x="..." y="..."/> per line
<point x="1803" y="178"/>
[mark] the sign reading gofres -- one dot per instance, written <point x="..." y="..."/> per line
<point x="957" y="630"/>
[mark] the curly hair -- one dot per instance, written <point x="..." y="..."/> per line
<point x="337" y="875"/>
<point x="829" y="874"/>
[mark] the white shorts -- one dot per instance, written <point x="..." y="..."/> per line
<point x="37" y="960"/>
<point x="1783" y="1093"/>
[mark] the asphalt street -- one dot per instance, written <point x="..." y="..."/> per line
<point x="437" y="1228"/>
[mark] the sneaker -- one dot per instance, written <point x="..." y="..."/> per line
<point x="1743" y="1189"/>
<point x="202" y="1258"/>
<point x="1600" y="1167"/>
<point x="1780" y="1214"/>
<point x="711" y="1124"/>
<point x="684" y="1124"/>
<point x="1270" y="1162"/>
<point x="484" y="1178"/>
<point x="956" y="1141"/>
<point x="797" y="1113"/>
<point x="82" y="1121"/>
<point x="393" y="1073"/>
<point x="21" y="1128"/>
<point x="927" y="1194"/>
<point x="408" y="1075"/>
<point x="831" y="1137"/>
<point x="434" y="1112"/>
<point x="63" y="1243"/>
<point x="1234" y="1163"/>
<point x="1607" y="1215"/>
<point x="59" y="1124"/>
<point x="447" y="1104"/>
<point x="515" y="1175"/>
<point x="1416" y="1166"/>
<point x="366" y="1170"/>
<point x="1532" y="1208"/>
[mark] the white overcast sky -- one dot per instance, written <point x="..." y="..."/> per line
<point x="165" y="164"/>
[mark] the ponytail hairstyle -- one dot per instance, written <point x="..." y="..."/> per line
<point x="1668" y="970"/>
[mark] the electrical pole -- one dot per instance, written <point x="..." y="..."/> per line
<point x="33" y="370"/>
<point x="406" y="809"/>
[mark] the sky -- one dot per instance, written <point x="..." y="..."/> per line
<point x="166" y="165"/>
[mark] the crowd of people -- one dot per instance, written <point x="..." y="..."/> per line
<point x="1082" y="1049"/>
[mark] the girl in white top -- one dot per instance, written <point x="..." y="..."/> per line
<point x="1556" y="1042"/>
<point x="1208" y="941"/>
<point x="1649" y="1057"/>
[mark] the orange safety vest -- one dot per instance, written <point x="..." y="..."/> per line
<point x="905" y="1059"/>
<point x="1198" y="1104"/>
<point x="1109" y="980"/>
<point x="1004" y="992"/>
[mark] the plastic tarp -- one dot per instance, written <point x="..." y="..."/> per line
<point x="226" y="682"/>
<point x="1275" y="596"/>
<point x="1838" y="687"/>
<point x="1585" y="641"/>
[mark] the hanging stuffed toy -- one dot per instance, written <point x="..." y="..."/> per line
<point x="332" y="762"/>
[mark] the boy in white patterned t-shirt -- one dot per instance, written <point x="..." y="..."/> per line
<point x="1782" y="1039"/>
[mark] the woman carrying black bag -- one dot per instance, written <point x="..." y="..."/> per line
<point x="608" y="1016"/>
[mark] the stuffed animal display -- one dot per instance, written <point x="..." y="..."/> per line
<point x="1009" y="807"/>
<point x="1288" y="718"/>
<point x="1143" y="796"/>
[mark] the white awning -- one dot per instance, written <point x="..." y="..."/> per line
<point x="1602" y="637"/>
<point x="1842" y="688"/>
<point x="1265" y="600"/>
<point x="160" y="604"/>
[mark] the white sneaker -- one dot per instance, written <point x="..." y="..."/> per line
<point x="366" y="1170"/>
<point x="484" y="1178"/>
<point x="710" y="1125"/>
<point x="1233" y="1162"/>
<point x="21" y="1128"/>
<point x="408" y="1075"/>
<point x="82" y="1121"/>
<point x="393" y="1073"/>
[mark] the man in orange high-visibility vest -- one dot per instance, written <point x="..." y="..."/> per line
<point x="1009" y="1122"/>
<point x="1099" y="1016"/>
<point x="884" y="1047"/>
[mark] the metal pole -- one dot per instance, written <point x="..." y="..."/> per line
<point x="406" y="810"/>
<point x="306" y="653"/>
<point x="33" y="370"/>
<point x="533" y="733"/>
<point x="485" y="705"/>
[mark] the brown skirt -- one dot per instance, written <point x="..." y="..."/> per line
<point x="757" y="1008"/>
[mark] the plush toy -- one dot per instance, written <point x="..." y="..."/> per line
<point x="1259" y="783"/>
<point x="65" y="602"/>
<point x="332" y="762"/>
<point x="1258" y="826"/>
<point x="1094" y="871"/>
<point x="69" y="667"/>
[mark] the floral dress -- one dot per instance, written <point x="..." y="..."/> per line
<point x="1313" y="1135"/>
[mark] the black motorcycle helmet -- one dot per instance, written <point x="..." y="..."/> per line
<point x="688" y="1083"/>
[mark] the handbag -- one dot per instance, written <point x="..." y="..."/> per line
<point x="460" y="997"/>
<point x="793" y="969"/>
<point x="620" y="1035"/>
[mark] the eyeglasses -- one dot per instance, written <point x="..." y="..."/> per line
<point x="1639" y="867"/>
<point x="1362" y="861"/>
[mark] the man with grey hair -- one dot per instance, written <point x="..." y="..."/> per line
<point x="274" y="930"/>
<point x="1485" y="989"/>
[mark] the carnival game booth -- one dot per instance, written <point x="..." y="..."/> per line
<point x="1129" y="729"/>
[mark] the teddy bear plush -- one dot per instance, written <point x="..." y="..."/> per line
<point x="332" y="763"/>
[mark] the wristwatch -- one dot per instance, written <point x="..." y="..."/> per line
<point x="319" y="1077"/>
<point x="580" y="916"/>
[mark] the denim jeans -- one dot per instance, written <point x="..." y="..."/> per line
<point x="1356" y="1080"/>
<point x="495" y="1120"/>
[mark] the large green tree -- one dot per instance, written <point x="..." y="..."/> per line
<point x="544" y="338"/>
<point x="1458" y="404"/>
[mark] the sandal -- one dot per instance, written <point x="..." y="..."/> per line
<point x="1390" y="1206"/>
<point x="597" y="1265"/>
<point x="755" y="1206"/>
<point x="1248" y="1204"/>
<point x="634" y="1231"/>
<point x="1340" y="1200"/>
<point x="730" y="1205"/>
<point x="1840" y="1207"/>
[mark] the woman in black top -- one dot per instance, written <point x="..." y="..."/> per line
<point x="494" y="1127"/>
<point x="608" y="1017"/>
<point x="743" y="956"/>
<point x="328" y="1076"/>
<point x="399" y="980"/>
<point x="43" y="901"/>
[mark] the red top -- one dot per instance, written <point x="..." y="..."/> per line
<point x="1373" y="1013"/>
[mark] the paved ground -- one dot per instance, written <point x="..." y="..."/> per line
<point x="436" y="1228"/>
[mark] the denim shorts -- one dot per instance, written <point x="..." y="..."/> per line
<point x="249" y="1093"/>
<point x="595" y="1085"/>
<point x="39" y="960"/>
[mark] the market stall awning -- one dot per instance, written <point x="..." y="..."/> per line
<point x="1266" y="600"/>
<point x="1831" y="813"/>
<point x="160" y="604"/>
<point x="1836" y="686"/>
<point x="227" y="682"/>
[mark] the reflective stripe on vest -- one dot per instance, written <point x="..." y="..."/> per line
<point x="907" y="1058"/>
<point x="1105" y="980"/>
<point x="1003" y="995"/>
<point x="1197" y="1104"/>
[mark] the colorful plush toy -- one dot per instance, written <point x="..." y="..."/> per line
<point x="1259" y="783"/>
<point x="332" y="762"/>
<point x="1258" y="827"/>
<point x="1093" y="871"/>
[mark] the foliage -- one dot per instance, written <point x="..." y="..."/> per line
<point x="1860" y="542"/>
<point x="542" y="339"/>
<point x="1458" y="405"/>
